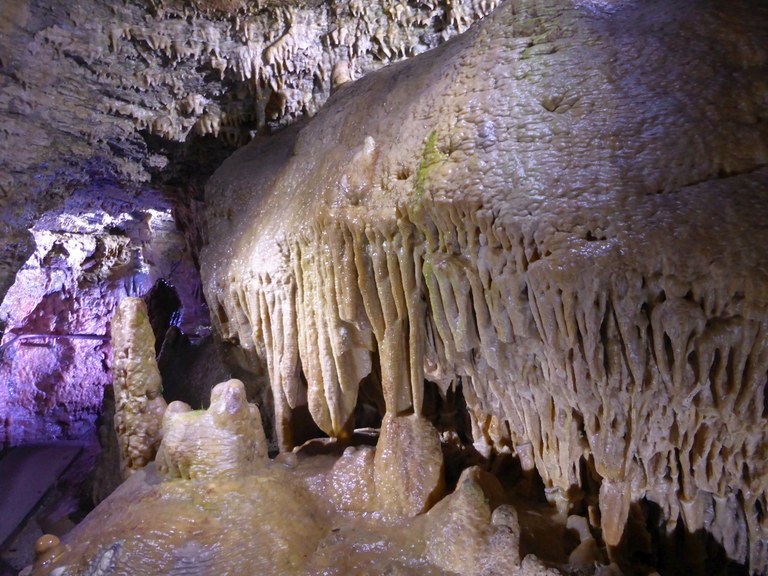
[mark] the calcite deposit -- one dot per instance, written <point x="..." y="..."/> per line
<point x="226" y="439"/>
<point x="532" y="259"/>
<point x="97" y="91"/>
<point x="212" y="503"/>
<point x="562" y="212"/>
<point x="139" y="403"/>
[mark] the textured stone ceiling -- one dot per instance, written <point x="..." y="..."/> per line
<point x="163" y="91"/>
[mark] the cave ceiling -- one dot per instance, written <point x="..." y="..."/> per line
<point x="157" y="93"/>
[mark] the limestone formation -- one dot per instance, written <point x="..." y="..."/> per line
<point x="273" y="520"/>
<point x="264" y="524"/>
<point x="563" y="210"/>
<point x="90" y="253"/>
<point x="408" y="466"/>
<point x="402" y="477"/>
<point x="225" y="440"/>
<point x="351" y="485"/>
<point x="472" y="532"/>
<point x="111" y="115"/>
<point x="139" y="404"/>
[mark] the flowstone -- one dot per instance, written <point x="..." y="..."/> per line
<point x="212" y="503"/>
<point x="563" y="210"/>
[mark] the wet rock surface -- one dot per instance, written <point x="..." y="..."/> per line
<point x="111" y="119"/>
<point x="192" y="510"/>
<point x="497" y="213"/>
<point x="532" y="256"/>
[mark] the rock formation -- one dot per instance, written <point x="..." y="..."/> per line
<point x="563" y="211"/>
<point x="535" y="254"/>
<point x="212" y="484"/>
<point x="55" y="358"/>
<point x="225" y="440"/>
<point x="97" y="93"/>
<point x="139" y="403"/>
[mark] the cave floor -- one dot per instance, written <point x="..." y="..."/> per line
<point x="40" y="490"/>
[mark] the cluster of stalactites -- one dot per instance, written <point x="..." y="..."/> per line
<point x="656" y="386"/>
<point x="286" y="57"/>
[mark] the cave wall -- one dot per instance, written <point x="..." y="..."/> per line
<point x="100" y="247"/>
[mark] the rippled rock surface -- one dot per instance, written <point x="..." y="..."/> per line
<point x="563" y="211"/>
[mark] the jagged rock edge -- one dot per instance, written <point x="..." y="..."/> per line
<point x="333" y="331"/>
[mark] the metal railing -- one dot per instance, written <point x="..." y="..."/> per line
<point x="22" y="337"/>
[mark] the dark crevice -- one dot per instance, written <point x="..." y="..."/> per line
<point x="163" y="309"/>
<point x="370" y="407"/>
<point x="765" y="398"/>
<point x="721" y="174"/>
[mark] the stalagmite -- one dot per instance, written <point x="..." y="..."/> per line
<point x="587" y="553"/>
<point x="225" y="440"/>
<point x="139" y="404"/>
<point x="351" y="486"/>
<point x="408" y="467"/>
<point x="212" y="483"/>
<point x="472" y="531"/>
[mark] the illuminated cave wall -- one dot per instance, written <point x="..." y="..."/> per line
<point x="100" y="247"/>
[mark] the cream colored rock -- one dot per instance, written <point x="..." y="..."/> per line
<point x="402" y="477"/>
<point x="408" y="466"/>
<point x="139" y="404"/>
<point x="225" y="440"/>
<point x="351" y="485"/>
<point x="175" y="70"/>
<point x="256" y="524"/>
<point x="615" y="498"/>
<point x="564" y="209"/>
<point x="466" y="535"/>
<point x="271" y="521"/>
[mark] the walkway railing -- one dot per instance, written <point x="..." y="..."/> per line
<point x="22" y="337"/>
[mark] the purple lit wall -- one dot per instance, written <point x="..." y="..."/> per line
<point x="101" y="246"/>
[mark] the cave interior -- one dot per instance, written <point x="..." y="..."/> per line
<point x="441" y="287"/>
